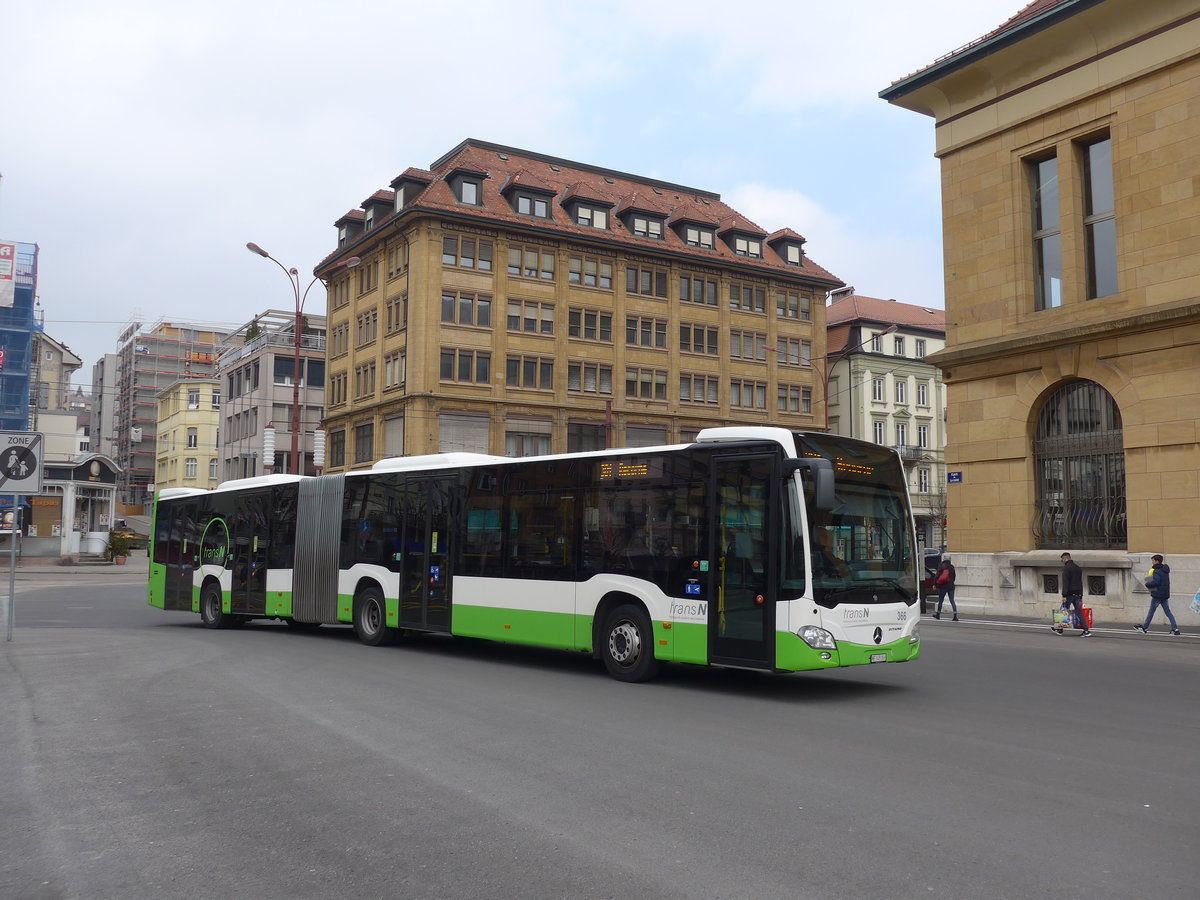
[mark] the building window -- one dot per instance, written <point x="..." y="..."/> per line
<point x="213" y="469"/>
<point x="193" y="398"/>
<point x="919" y="350"/>
<point x="699" y="339"/>
<point x="216" y="398"/>
<point x="394" y="371"/>
<point x="699" y="389"/>
<point x="877" y="390"/>
<point x="644" y="226"/>
<point x="898" y="347"/>
<point x="645" y="384"/>
<point x="524" y="443"/>
<point x="189" y="467"/>
<point x="901" y="391"/>
<point x="337" y="389"/>
<point x="396" y="312"/>
<point x="922" y="481"/>
<point x="590" y="325"/>
<point x="468" y="366"/>
<point x="795" y="399"/>
<point x="922" y="394"/>
<point x="1079" y="466"/>
<point x="193" y="438"/>
<point x="901" y="434"/>
<point x="791" y="305"/>
<point x="398" y="258"/>
<point x="531" y="262"/>
<point x="695" y="236"/>
<point x="470" y="191"/>
<point x="1099" y="219"/>
<point x="367" y="328"/>
<point x="337" y="448"/>
<point x="923" y="437"/>
<point x="747" y="247"/>
<point x="467" y="253"/>
<point x="649" y="282"/>
<point x="693" y="289"/>
<point x="877" y="343"/>
<point x="364" y="380"/>
<point x="582" y="437"/>
<point x="747" y="297"/>
<point x="792" y="352"/>
<point x="643" y="331"/>
<point x="590" y="272"/>
<point x="747" y="345"/>
<point x="364" y="442"/>
<point x="530" y="205"/>
<point x="878" y="431"/>
<point x="462" y="308"/>
<point x="368" y="276"/>
<point x="589" y="378"/>
<point x="1047" y="235"/>
<point x="531" y="316"/>
<point x="591" y="216"/>
<point x="530" y="372"/>
<point x="747" y="394"/>
<point x="793" y="255"/>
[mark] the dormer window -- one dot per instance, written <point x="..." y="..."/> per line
<point x="591" y="216"/>
<point x="694" y="236"/>
<point x="343" y="235"/>
<point x="530" y="205"/>
<point x="470" y="191"/>
<point x="793" y="255"/>
<point x="744" y="246"/>
<point x="644" y="226"/>
<point x="369" y="219"/>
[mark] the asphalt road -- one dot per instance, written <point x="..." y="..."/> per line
<point x="143" y="756"/>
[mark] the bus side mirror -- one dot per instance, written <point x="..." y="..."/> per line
<point x="822" y="473"/>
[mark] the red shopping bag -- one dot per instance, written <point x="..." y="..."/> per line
<point x="1087" y="617"/>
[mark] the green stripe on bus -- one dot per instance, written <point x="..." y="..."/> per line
<point x="793" y="655"/>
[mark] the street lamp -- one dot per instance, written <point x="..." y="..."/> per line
<point x="829" y="359"/>
<point x="293" y="276"/>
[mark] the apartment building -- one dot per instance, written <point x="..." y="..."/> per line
<point x="1067" y="139"/>
<point x="188" y="420"/>
<point x="148" y="360"/>
<point x="257" y="363"/>
<point x="883" y="389"/>
<point x="510" y="302"/>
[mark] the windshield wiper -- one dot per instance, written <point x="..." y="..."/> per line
<point x="893" y="582"/>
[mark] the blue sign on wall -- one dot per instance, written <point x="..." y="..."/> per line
<point x="954" y="478"/>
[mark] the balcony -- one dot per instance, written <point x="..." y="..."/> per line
<point x="910" y="453"/>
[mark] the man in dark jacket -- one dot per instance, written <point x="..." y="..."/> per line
<point x="1072" y="592"/>
<point x="1159" y="583"/>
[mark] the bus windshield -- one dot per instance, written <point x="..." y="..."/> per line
<point x="862" y="548"/>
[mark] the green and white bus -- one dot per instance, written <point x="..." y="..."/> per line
<point x="752" y="548"/>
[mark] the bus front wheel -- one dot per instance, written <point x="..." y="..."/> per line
<point x="627" y="645"/>
<point x="210" y="607"/>
<point x="370" y="618"/>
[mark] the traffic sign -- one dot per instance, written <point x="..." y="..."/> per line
<point x="21" y="455"/>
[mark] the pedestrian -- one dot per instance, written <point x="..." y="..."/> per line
<point x="1072" y="593"/>
<point x="944" y="582"/>
<point x="1159" y="583"/>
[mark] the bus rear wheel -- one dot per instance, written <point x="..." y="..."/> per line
<point x="370" y="618"/>
<point x="210" y="607"/>
<point x="627" y="644"/>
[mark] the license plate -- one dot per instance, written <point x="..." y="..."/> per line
<point x="878" y="657"/>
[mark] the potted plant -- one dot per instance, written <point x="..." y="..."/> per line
<point x="118" y="548"/>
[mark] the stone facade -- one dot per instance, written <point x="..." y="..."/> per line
<point x="1047" y="86"/>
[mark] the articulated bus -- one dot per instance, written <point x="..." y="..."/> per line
<point x="752" y="548"/>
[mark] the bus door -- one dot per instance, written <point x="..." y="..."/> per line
<point x="425" y="573"/>
<point x="251" y="531"/>
<point x="179" y="551"/>
<point x="741" y="611"/>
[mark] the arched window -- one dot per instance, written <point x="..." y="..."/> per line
<point x="1079" y="464"/>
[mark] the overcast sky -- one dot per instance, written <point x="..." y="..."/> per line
<point x="144" y="143"/>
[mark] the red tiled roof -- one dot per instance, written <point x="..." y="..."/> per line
<point x="499" y="165"/>
<point x="380" y="196"/>
<point x="785" y="234"/>
<point x="355" y="215"/>
<point x="526" y="179"/>
<point x="856" y="308"/>
<point x="1031" y="11"/>
<point x="738" y="222"/>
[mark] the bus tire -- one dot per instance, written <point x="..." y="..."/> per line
<point x="370" y="618"/>
<point x="627" y="644"/>
<point x="210" y="607"/>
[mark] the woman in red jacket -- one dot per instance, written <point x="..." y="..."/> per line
<point x="944" y="582"/>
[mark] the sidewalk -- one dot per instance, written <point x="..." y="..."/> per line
<point x="138" y="562"/>
<point x="1159" y="629"/>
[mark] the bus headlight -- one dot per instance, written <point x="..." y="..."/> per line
<point x="817" y="638"/>
<point x="915" y="637"/>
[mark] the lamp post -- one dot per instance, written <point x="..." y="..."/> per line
<point x="829" y="359"/>
<point x="293" y="276"/>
